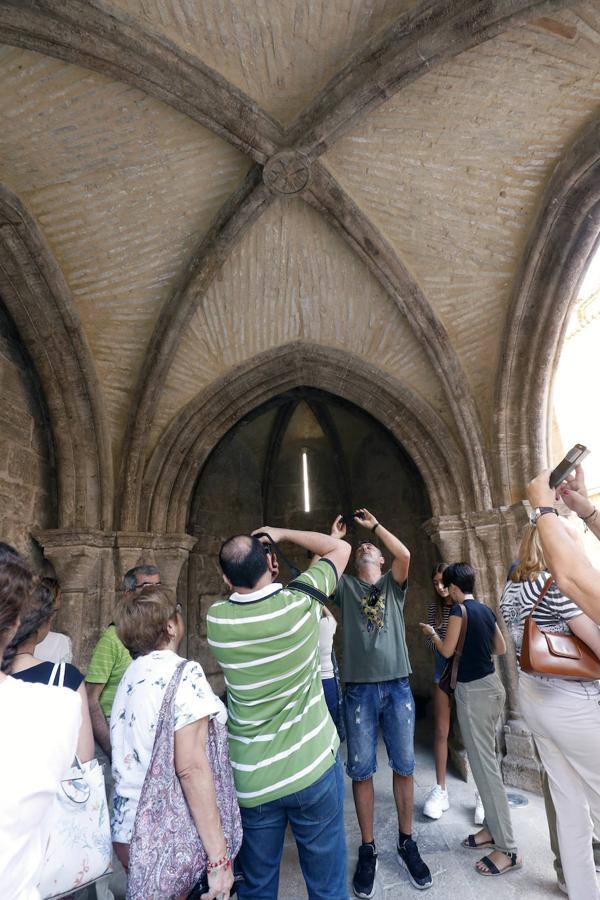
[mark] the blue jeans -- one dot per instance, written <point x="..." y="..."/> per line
<point x="391" y="704"/>
<point x="316" y="816"/>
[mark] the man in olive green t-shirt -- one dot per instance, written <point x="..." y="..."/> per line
<point x="376" y="669"/>
<point x="109" y="661"/>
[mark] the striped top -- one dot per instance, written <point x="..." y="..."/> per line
<point x="553" y="613"/>
<point x="431" y="620"/>
<point x="281" y="736"/>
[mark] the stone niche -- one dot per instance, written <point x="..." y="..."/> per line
<point x="255" y="476"/>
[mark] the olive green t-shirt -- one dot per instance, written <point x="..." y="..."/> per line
<point x="109" y="661"/>
<point x="373" y="633"/>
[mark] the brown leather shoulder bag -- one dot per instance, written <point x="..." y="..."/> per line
<point x="560" y="655"/>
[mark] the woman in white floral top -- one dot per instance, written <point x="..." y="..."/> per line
<point x="151" y="627"/>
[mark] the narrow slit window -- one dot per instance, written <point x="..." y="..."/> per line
<point x="305" y="481"/>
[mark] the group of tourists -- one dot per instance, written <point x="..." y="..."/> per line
<point x="202" y="788"/>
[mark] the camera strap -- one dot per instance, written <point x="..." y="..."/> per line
<point x="313" y="592"/>
<point x="280" y="554"/>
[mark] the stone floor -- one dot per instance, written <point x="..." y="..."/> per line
<point x="451" y="865"/>
<point x="439" y="842"/>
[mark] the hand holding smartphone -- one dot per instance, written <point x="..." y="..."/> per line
<point x="573" y="458"/>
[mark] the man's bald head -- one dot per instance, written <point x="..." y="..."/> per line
<point x="243" y="561"/>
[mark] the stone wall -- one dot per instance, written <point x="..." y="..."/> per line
<point x="27" y="476"/>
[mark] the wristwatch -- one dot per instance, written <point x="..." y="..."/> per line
<point x="541" y="511"/>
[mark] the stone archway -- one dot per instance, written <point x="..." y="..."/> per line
<point x="171" y="473"/>
<point x="562" y="242"/>
<point x="38" y="300"/>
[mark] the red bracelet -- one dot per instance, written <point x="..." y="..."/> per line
<point x="222" y="863"/>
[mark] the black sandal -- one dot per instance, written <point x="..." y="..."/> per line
<point x="493" y="869"/>
<point x="470" y="843"/>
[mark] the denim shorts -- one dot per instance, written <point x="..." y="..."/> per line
<point x="386" y="703"/>
<point x="440" y="665"/>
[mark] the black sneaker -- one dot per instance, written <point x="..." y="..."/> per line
<point x="363" y="882"/>
<point x="410" y="858"/>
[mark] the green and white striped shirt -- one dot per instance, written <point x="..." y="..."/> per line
<point x="281" y="736"/>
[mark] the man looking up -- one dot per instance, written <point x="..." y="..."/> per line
<point x="376" y="669"/>
<point x="282" y="741"/>
<point x="109" y="661"/>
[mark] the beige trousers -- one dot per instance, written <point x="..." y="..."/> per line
<point x="479" y="705"/>
<point x="564" y="718"/>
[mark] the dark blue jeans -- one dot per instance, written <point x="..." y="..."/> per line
<point x="316" y="816"/>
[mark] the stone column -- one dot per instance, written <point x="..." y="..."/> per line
<point x="205" y="586"/>
<point x="90" y="566"/>
<point x="168" y="552"/>
<point x="83" y="562"/>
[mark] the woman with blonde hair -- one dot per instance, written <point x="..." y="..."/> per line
<point x="563" y="715"/>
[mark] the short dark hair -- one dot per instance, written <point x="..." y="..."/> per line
<point x="439" y="569"/>
<point x="460" y="574"/>
<point x="130" y="577"/>
<point x="243" y="560"/>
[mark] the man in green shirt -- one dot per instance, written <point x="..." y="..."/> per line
<point x="282" y="741"/>
<point x="109" y="661"/>
<point x="376" y="669"/>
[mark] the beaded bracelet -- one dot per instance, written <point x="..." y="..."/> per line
<point x="222" y="863"/>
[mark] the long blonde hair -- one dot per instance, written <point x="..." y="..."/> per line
<point x="531" y="556"/>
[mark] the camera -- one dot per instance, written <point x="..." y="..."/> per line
<point x="349" y="518"/>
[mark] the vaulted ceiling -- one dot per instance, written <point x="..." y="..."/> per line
<point x="216" y="180"/>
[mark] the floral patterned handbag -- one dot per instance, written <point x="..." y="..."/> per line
<point x="166" y="855"/>
<point x="79" y="849"/>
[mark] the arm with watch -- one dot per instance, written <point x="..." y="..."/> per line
<point x="566" y="559"/>
<point x="400" y="553"/>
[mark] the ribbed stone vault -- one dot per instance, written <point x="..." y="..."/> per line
<point x="167" y="150"/>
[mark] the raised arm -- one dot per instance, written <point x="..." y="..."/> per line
<point x="576" y="577"/>
<point x="196" y="778"/>
<point x="321" y="545"/>
<point x="400" y="553"/>
<point x="573" y="492"/>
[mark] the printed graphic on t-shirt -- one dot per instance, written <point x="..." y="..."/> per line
<point x="373" y="609"/>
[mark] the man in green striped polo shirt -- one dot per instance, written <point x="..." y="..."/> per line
<point x="282" y="741"/>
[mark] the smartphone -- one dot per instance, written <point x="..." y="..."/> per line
<point x="348" y="520"/>
<point x="575" y="456"/>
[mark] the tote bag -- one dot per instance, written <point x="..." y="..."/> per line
<point x="79" y="849"/>
<point x="166" y="856"/>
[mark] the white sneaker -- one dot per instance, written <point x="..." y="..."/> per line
<point x="437" y="802"/>
<point x="479" y="816"/>
<point x="562" y="886"/>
